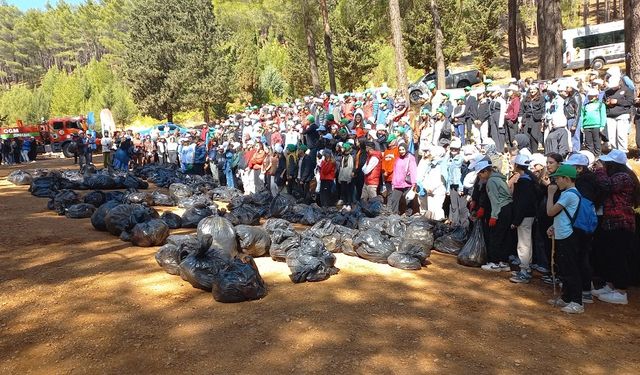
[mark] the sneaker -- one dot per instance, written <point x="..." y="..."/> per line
<point x="538" y="268"/>
<point x="492" y="267"/>
<point x="604" y="290"/>
<point x="557" y="302"/>
<point x="522" y="277"/>
<point x="548" y="279"/>
<point x="614" y="297"/>
<point x="573" y="308"/>
<point x="488" y="267"/>
<point x="587" y="297"/>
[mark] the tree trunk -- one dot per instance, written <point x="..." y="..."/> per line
<point x="311" y="48"/>
<point x="327" y="46"/>
<point x="585" y="13"/>
<point x="550" y="39"/>
<point x="597" y="11"/>
<point x="542" y="57"/>
<point x="437" y="27"/>
<point x="396" y="31"/>
<point x="514" y="55"/>
<point x="632" y="30"/>
<point x="606" y="10"/>
<point x="615" y="10"/>
<point x="170" y="117"/>
<point x="207" y="113"/>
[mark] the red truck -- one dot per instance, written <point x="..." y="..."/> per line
<point x="57" y="132"/>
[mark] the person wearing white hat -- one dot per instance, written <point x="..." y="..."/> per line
<point x="433" y="184"/>
<point x="458" y="213"/>
<point x="557" y="141"/>
<point x="525" y="202"/>
<point x="619" y="100"/>
<point x="620" y="192"/>
<point x="497" y="111"/>
<point x="594" y="119"/>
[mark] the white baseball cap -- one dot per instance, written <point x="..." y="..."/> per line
<point x="577" y="159"/>
<point x="455" y="143"/>
<point x="481" y="165"/>
<point x="593" y="92"/>
<point x="522" y="160"/>
<point x="615" y="156"/>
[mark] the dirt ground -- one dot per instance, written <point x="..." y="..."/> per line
<point x="74" y="300"/>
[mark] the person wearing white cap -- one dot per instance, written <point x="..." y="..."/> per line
<point x="572" y="106"/>
<point x="594" y="118"/>
<point x="433" y="183"/>
<point x="620" y="192"/>
<point x="532" y="112"/>
<point x="557" y="141"/>
<point x="619" y="100"/>
<point x="525" y="202"/>
<point x="458" y="213"/>
<point x="497" y="111"/>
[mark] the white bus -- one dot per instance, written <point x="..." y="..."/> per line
<point x="593" y="46"/>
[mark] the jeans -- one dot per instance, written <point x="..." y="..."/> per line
<point x="460" y="132"/>
<point x="25" y="156"/>
<point x="228" y="173"/>
<point x="576" y="143"/>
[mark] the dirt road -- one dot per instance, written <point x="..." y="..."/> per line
<point x="74" y="300"/>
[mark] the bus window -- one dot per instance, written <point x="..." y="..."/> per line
<point x="596" y="40"/>
<point x="58" y="125"/>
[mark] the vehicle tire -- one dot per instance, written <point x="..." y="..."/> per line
<point x="415" y="96"/>
<point x="67" y="150"/>
<point x="462" y="84"/>
<point x="597" y="63"/>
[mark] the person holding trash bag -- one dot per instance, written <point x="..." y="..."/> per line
<point x="500" y="219"/>
<point x="562" y="233"/>
<point x="404" y="178"/>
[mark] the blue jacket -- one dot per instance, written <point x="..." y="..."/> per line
<point x="452" y="172"/>
<point x="200" y="154"/>
<point x="26" y="145"/>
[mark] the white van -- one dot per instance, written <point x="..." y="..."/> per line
<point x="593" y="46"/>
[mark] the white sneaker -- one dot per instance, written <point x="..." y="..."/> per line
<point x="573" y="308"/>
<point x="557" y="302"/>
<point x="500" y="267"/>
<point x="613" y="297"/>
<point x="489" y="266"/>
<point x="603" y="290"/>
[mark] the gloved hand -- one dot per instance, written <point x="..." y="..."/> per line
<point x="480" y="213"/>
<point x="472" y="205"/>
<point x="492" y="222"/>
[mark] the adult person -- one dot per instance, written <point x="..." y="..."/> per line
<point x="327" y="177"/>
<point x="372" y="170"/>
<point x="513" y="110"/>
<point x="621" y="191"/>
<point x="433" y="182"/>
<point x="161" y="147"/>
<point x="199" y="157"/>
<point x="172" y="150"/>
<point x="187" y="153"/>
<point x="404" y="178"/>
<point x="256" y="162"/>
<point x="480" y="128"/>
<point x="452" y="170"/>
<point x="497" y="110"/>
<point x="532" y="112"/>
<point x="123" y="155"/>
<point x="619" y="100"/>
<point x="471" y="111"/>
<point x="345" y="175"/>
<point x="107" y="144"/>
<point x="24" y="151"/>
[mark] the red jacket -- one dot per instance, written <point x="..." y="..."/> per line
<point x="328" y="170"/>
<point x="373" y="178"/>
<point x="513" y="109"/>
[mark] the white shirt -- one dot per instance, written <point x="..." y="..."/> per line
<point x="107" y="143"/>
<point x="370" y="165"/>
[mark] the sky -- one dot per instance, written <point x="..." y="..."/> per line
<point x="33" y="4"/>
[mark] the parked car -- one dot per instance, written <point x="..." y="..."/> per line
<point x="452" y="81"/>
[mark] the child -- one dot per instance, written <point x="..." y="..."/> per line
<point x="594" y="118"/>
<point x="458" y="119"/>
<point x="562" y="233"/>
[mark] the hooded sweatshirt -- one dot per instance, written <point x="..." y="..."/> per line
<point x="498" y="193"/>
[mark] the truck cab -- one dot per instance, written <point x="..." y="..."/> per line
<point x="60" y="132"/>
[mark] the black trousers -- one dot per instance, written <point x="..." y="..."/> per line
<point x="584" y="242"/>
<point x="500" y="236"/>
<point x="592" y="140"/>
<point x="325" y="192"/>
<point x="567" y="258"/>
<point x="346" y="192"/>
<point x="614" y="257"/>
<point x="512" y="130"/>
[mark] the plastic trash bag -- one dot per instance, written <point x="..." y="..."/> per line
<point x="404" y="261"/>
<point x="180" y="191"/>
<point x="80" y="211"/>
<point x="124" y="217"/>
<point x="131" y="181"/>
<point x="225" y="194"/>
<point x="245" y="214"/>
<point x="238" y="282"/>
<point x="254" y="241"/>
<point x="196" y="200"/>
<point x="419" y="233"/>
<point x="140" y="198"/>
<point x="117" y="196"/>
<point x="160" y="199"/>
<point x="99" y="216"/>
<point x="45" y="187"/>
<point x="218" y="233"/>
<point x="395" y="226"/>
<point x="474" y="251"/>
<point x="311" y="215"/>
<point x="150" y="233"/>
<point x="373" y="207"/>
<point x="373" y="246"/>
<point x="200" y="268"/>
<point x="322" y="228"/>
<point x="100" y="182"/>
<point x="96" y="198"/>
<point x="272" y="224"/>
<point x="310" y="261"/>
<point x="193" y="216"/>
<point x="280" y="204"/>
<point x="172" y="220"/>
<point x="20" y="177"/>
<point x="452" y="242"/>
<point x="176" y="249"/>
<point x="63" y="200"/>
<point x="378" y="223"/>
<point x="282" y="241"/>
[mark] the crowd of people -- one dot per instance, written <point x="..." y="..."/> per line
<point x="18" y="150"/>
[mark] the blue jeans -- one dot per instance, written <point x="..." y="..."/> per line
<point x="25" y="156"/>
<point x="576" y="145"/>
<point x="460" y="131"/>
<point x="228" y="173"/>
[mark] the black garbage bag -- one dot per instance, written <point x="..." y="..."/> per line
<point x="474" y="251"/>
<point x="99" y="216"/>
<point x="117" y="196"/>
<point x="196" y="200"/>
<point x="452" y="242"/>
<point x="124" y="217"/>
<point x="419" y="234"/>
<point x="100" y="181"/>
<point x="172" y="220"/>
<point x="150" y="233"/>
<point x="160" y="199"/>
<point x="20" y="177"/>
<point x="140" y="198"/>
<point x="322" y="228"/>
<point x="404" y="261"/>
<point x="282" y="241"/>
<point x="254" y="241"/>
<point x="173" y="253"/>
<point x="225" y="194"/>
<point x="125" y="236"/>
<point x="193" y="216"/>
<point x="134" y="182"/>
<point x="307" y="215"/>
<point x="280" y="204"/>
<point x="96" y="198"/>
<point x="310" y="261"/>
<point x="45" y="187"/>
<point x="63" y="200"/>
<point x="72" y="180"/>
<point x="245" y="214"/>
<point x="272" y="224"/>
<point x="200" y="268"/>
<point x="80" y="211"/>
<point x="377" y="223"/>
<point x="373" y="246"/>
<point x="373" y="207"/>
<point x="238" y="282"/>
<point x="347" y="219"/>
<point x="395" y="226"/>
<point x="218" y="233"/>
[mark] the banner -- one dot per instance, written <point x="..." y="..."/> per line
<point x="106" y="119"/>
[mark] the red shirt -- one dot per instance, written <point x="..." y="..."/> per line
<point x="327" y="170"/>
